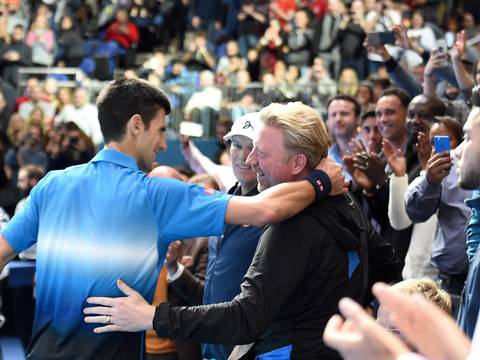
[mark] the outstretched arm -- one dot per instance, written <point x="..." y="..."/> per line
<point x="6" y="252"/>
<point x="284" y="200"/>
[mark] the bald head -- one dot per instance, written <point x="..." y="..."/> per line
<point x="421" y="112"/>
<point x="166" y="172"/>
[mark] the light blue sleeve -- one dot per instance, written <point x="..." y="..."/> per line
<point x="184" y="211"/>
<point x="21" y="232"/>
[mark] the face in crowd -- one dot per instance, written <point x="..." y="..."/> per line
<point x="391" y="118"/>
<point x="240" y="148"/>
<point x="342" y="121"/>
<point x="469" y="152"/>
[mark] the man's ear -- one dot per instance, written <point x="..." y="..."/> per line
<point x="299" y="163"/>
<point x="135" y="125"/>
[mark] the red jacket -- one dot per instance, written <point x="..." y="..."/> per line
<point x="126" y="39"/>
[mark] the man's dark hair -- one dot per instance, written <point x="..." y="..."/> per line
<point x="121" y="99"/>
<point x="357" y="108"/>
<point x="402" y="95"/>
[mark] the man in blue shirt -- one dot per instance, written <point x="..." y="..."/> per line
<point x="105" y="220"/>
<point x="229" y="255"/>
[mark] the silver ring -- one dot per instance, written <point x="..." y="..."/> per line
<point x="108" y="320"/>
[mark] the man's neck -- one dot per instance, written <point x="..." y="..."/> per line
<point x="246" y="187"/>
<point x="399" y="143"/>
<point x="343" y="145"/>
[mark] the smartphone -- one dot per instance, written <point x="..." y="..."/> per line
<point x="381" y="38"/>
<point x="441" y="143"/>
<point x="191" y="129"/>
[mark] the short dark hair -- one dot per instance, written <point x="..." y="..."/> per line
<point x="356" y="105"/>
<point x="402" y="95"/>
<point x="123" y="98"/>
<point x="452" y="124"/>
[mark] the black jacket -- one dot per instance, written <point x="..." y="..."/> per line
<point x="302" y="267"/>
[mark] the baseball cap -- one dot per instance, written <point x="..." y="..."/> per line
<point x="245" y="125"/>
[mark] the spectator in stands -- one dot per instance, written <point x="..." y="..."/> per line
<point x="230" y="64"/>
<point x="323" y="86"/>
<point x="252" y="20"/>
<point x="365" y="95"/>
<point x="143" y="14"/>
<point x="204" y="105"/>
<point x="41" y="39"/>
<point x="83" y="113"/>
<point x="422" y="34"/>
<point x="370" y="173"/>
<point x="32" y="151"/>
<point x="28" y="177"/>
<point x="270" y="45"/>
<point x="351" y="36"/>
<point x="325" y="37"/>
<point x="14" y="55"/>
<point x="348" y="83"/>
<point x="175" y="22"/>
<point x="64" y="98"/>
<point x="370" y="135"/>
<point x="70" y="44"/>
<point x="289" y="86"/>
<point x="298" y="42"/>
<point x="35" y="98"/>
<point x="283" y="11"/>
<point x="207" y="16"/>
<point x="198" y="57"/>
<point x="241" y="99"/>
<point x="124" y="33"/>
<point x="343" y="121"/>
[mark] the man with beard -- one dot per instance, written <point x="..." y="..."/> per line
<point x="469" y="178"/>
<point x="301" y="267"/>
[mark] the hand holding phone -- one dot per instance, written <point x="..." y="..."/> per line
<point x="381" y="38"/>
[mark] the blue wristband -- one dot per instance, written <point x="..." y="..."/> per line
<point x="321" y="183"/>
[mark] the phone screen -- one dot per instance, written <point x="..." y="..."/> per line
<point x="441" y="143"/>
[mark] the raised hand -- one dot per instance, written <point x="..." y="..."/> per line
<point x="173" y="257"/>
<point x="373" y="167"/>
<point x="359" y="337"/>
<point x="438" y="167"/>
<point x="335" y="173"/>
<point x="395" y="158"/>
<point x="424" y="149"/>
<point x="361" y="179"/>
<point x="459" y="46"/>
<point x="433" y="333"/>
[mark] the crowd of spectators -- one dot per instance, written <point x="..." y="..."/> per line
<point x="218" y="60"/>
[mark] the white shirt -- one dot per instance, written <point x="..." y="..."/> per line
<point x="86" y="117"/>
